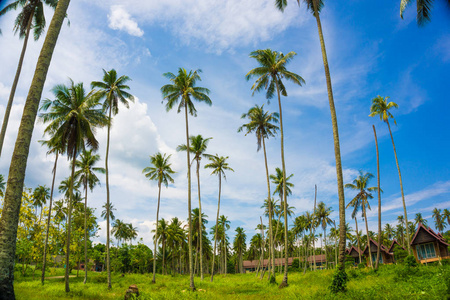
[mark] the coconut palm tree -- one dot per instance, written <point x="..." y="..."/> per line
<point x="379" y="197"/>
<point x="439" y="220"/>
<point x="224" y="225"/>
<point x="380" y="107"/>
<point x="112" y="89"/>
<point x="181" y="90"/>
<point x="119" y="230"/>
<point x="40" y="196"/>
<point x="240" y="246"/>
<point x="272" y="68"/>
<point x="73" y="118"/>
<point x="2" y="186"/>
<point x="219" y="165"/>
<point x="361" y="200"/>
<point x="10" y="217"/>
<point x="263" y="124"/>
<point x="31" y="17"/>
<point x="160" y="171"/>
<point x="419" y="219"/>
<point x="161" y="233"/>
<point x="389" y="231"/>
<point x="315" y="8"/>
<point x="446" y="214"/>
<point x="108" y="209"/>
<point x="423" y="10"/>
<point x="323" y="218"/>
<point x="198" y="224"/>
<point x="198" y="148"/>
<point x="86" y="175"/>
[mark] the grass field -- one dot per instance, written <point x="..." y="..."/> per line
<point x="390" y="282"/>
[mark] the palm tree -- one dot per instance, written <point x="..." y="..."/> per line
<point x="73" y="117"/>
<point x="198" y="148"/>
<point x="446" y="214"/>
<point x="401" y="228"/>
<point x="198" y="224"/>
<point x="379" y="197"/>
<point x="263" y="124"/>
<point x="361" y="200"/>
<point x="131" y="232"/>
<point x="419" y="219"/>
<point x="315" y="7"/>
<point x="108" y="211"/>
<point x="182" y="89"/>
<point x="219" y="165"/>
<point x="31" y="17"/>
<point x="272" y="68"/>
<point x="119" y="229"/>
<point x="160" y="171"/>
<point x="439" y="220"/>
<point x="113" y="89"/>
<point x="380" y="107"/>
<point x="323" y="218"/>
<point x="389" y="231"/>
<point x="161" y="233"/>
<point x="239" y="246"/>
<point x="40" y="196"/>
<point x="224" y="225"/>
<point x="2" y="186"/>
<point x="423" y="10"/>
<point x="86" y="175"/>
<point x="10" y="216"/>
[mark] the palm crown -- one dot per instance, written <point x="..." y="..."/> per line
<point x="361" y="199"/>
<point x="380" y="107"/>
<point x="86" y="169"/>
<point x="161" y="170"/>
<point x="219" y="165"/>
<point x="197" y="146"/>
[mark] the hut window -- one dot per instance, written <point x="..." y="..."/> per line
<point x="374" y="257"/>
<point x="426" y="251"/>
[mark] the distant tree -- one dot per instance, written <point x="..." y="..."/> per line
<point x="40" y="196"/>
<point x="439" y="220"/>
<point x="419" y="219"/>
<point x="108" y="209"/>
<point x="239" y="246"/>
<point x="423" y="10"/>
<point x="323" y="217"/>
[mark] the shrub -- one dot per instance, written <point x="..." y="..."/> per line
<point x="295" y="263"/>
<point x="361" y="266"/>
<point x="410" y="261"/>
<point x="339" y="282"/>
<point x="399" y="254"/>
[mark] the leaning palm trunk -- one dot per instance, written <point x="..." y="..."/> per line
<point x="11" y="207"/>
<point x="200" y="223"/>
<point x="337" y="149"/>
<point x="48" y="220"/>
<point x="14" y="85"/>
<point x="368" y="239"/>
<point x="401" y="188"/>
<point x="108" y="264"/>
<point x="156" y="233"/>
<point x="271" y="261"/>
<point x="191" y="265"/>
<point x="85" y="230"/>
<point x="69" y="225"/>
<point x="379" y="198"/>
<point x="215" y="235"/>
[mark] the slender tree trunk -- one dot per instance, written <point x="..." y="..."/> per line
<point x="262" y="247"/>
<point x="69" y="225"/>
<point x="306" y="256"/>
<point x="85" y="230"/>
<point x="14" y="85"/>
<point x="337" y="149"/>
<point x="164" y="256"/>
<point x="156" y="232"/>
<point x="191" y="265"/>
<point x="11" y="206"/>
<point x="200" y="223"/>
<point x="335" y="246"/>
<point x="325" y="241"/>
<point x="379" y="198"/>
<point x="283" y="164"/>
<point x="368" y="238"/>
<point x="401" y="188"/>
<point x="48" y="221"/>
<point x="108" y="262"/>
<point x="359" y="243"/>
<point x="217" y="226"/>
<point x="271" y="261"/>
<point x="314" y="227"/>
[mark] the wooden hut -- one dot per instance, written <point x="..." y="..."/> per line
<point x="385" y="256"/>
<point x="354" y="253"/>
<point x="428" y="246"/>
<point x="391" y="249"/>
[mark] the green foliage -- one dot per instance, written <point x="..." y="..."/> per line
<point x="295" y="263"/>
<point x="339" y="282"/>
<point x="399" y="254"/>
<point x="272" y="280"/>
<point x="361" y="266"/>
<point x="410" y="261"/>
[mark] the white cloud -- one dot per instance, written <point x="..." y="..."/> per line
<point x="120" y="19"/>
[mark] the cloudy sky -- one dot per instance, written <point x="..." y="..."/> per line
<point x="371" y="52"/>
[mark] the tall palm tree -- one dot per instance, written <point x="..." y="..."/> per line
<point x="198" y="223"/>
<point x="361" y="200"/>
<point x="446" y="214"/>
<point x="114" y="90"/>
<point x="160" y="171"/>
<point x="182" y="89"/>
<point x="10" y="217"/>
<point x="379" y="197"/>
<point x="198" y="148"/>
<point x="389" y="231"/>
<point x="323" y="217"/>
<point x="108" y="211"/>
<point x="439" y="220"/>
<point x="272" y="68"/>
<point x="86" y="175"/>
<point x="224" y="225"/>
<point x="119" y="229"/>
<point x="73" y="117"/>
<point x="315" y="7"/>
<point x="219" y="165"/>
<point x="161" y="233"/>
<point x="239" y="246"/>
<point x="263" y="124"/>
<point x="401" y="228"/>
<point x="419" y="219"/>
<point x="40" y="196"/>
<point x="31" y="17"/>
<point x="380" y="107"/>
<point x="423" y="10"/>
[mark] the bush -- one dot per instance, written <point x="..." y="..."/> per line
<point x="410" y="261"/>
<point x="99" y="279"/>
<point x="399" y="254"/>
<point x="361" y="266"/>
<point x="295" y="263"/>
<point x="339" y="282"/>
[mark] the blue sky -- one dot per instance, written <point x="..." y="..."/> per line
<point x="371" y="52"/>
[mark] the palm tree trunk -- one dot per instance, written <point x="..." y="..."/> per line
<point x="271" y="261"/>
<point x="14" y="85"/>
<point x="335" y="245"/>
<point x="401" y="188"/>
<point x="69" y="225"/>
<point x="263" y="243"/>
<point x="200" y="223"/>
<point x="11" y="206"/>
<point x="108" y="263"/>
<point x="314" y="228"/>
<point x="191" y="266"/>
<point x="156" y="232"/>
<point x="48" y="220"/>
<point x="325" y="241"/>
<point x="283" y="165"/>
<point x="217" y="226"/>
<point x="337" y="149"/>
<point x="359" y="243"/>
<point x="164" y="256"/>
<point x="367" y="232"/>
<point x="379" y="198"/>
<point x="85" y="231"/>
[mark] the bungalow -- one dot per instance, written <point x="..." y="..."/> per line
<point x="429" y="246"/>
<point x="354" y="253"/>
<point x="392" y="248"/>
<point x="385" y="256"/>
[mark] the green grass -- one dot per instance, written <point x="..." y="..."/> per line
<point x="390" y="282"/>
